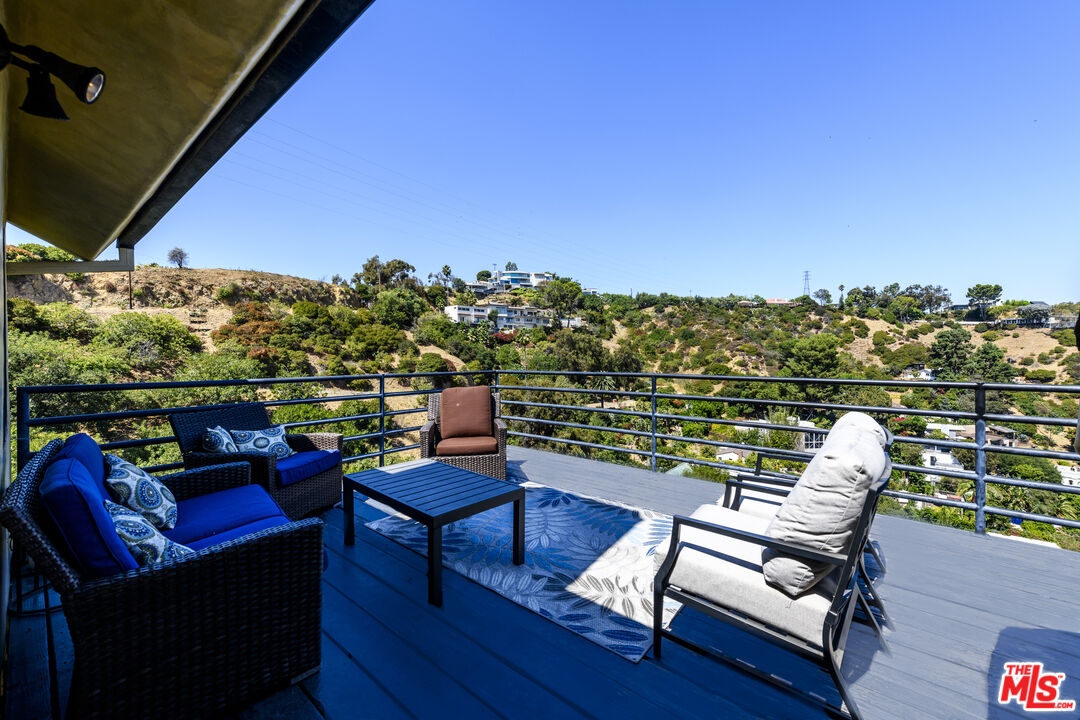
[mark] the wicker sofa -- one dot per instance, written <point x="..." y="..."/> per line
<point x="190" y="637"/>
<point x="300" y="499"/>
<point x="491" y="463"/>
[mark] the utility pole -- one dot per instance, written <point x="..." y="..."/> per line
<point x="806" y="282"/>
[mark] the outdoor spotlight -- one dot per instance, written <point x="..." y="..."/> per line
<point x="86" y="82"/>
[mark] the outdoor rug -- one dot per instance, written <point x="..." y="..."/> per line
<point x="588" y="563"/>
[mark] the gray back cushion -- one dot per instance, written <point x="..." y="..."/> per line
<point x="823" y="508"/>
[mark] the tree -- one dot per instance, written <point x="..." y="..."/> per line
<point x="398" y="308"/>
<point x="984" y="295"/>
<point x="988" y="364"/>
<point x="561" y="295"/>
<point x="840" y="303"/>
<point x="483" y="276"/>
<point x="444" y="277"/>
<point x="1034" y="313"/>
<point x="950" y="353"/>
<point x="511" y="266"/>
<point x="178" y="257"/>
<point x="823" y="296"/>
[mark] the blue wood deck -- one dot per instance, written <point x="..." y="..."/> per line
<point x="961" y="606"/>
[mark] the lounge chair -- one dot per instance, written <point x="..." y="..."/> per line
<point x="789" y="580"/>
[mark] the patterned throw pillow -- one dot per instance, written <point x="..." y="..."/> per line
<point x="137" y="490"/>
<point x="218" y="440"/>
<point x="271" y="441"/>
<point x="146" y="544"/>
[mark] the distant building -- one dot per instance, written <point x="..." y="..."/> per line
<point x="509" y="317"/>
<point x="918" y="371"/>
<point x="589" y="291"/>
<point x="507" y="280"/>
<point x="780" y="302"/>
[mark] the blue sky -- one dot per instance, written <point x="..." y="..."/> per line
<point x="705" y="147"/>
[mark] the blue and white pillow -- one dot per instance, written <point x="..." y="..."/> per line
<point x="270" y="441"/>
<point x="137" y="490"/>
<point x="146" y="544"/>
<point x="218" y="440"/>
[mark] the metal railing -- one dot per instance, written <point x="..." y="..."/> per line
<point x="519" y="398"/>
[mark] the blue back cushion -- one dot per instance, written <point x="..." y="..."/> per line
<point x="76" y="503"/>
<point x="302" y="465"/>
<point x="83" y="449"/>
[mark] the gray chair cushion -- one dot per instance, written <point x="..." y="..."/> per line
<point x="823" y="508"/>
<point x="732" y="578"/>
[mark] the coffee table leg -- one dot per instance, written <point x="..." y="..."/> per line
<point x="350" y="519"/>
<point x="519" y="531"/>
<point x="434" y="554"/>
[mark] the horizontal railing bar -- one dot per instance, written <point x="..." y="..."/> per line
<point x="698" y="461"/>
<point x="561" y="423"/>
<point x="1032" y="387"/>
<point x="167" y="466"/>
<point x="579" y="391"/>
<point x="402" y="431"/>
<point x="580" y="443"/>
<point x="1034" y="517"/>
<point x="403" y="448"/>
<point x="960" y="385"/>
<point x="1030" y="420"/>
<point x="117" y="444"/>
<point x="583" y="408"/>
<point x="410" y="411"/>
<point x="962" y="504"/>
<point x="1034" y="484"/>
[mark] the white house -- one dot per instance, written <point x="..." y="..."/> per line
<point x="509" y="317"/>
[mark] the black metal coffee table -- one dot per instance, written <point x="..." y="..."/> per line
<point x="435" y="494"/>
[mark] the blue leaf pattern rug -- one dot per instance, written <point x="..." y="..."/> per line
<point x="588" y="563"/>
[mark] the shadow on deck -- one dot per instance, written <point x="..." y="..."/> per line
<point x="961" y="605"/>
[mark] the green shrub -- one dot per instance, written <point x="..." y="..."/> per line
<point x="1041" y="376"/>
<point x="227" y="293"/>
<point x="147" y="341"/>
<point x="981" y="327"/>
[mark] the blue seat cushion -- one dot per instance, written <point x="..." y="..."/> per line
<point x="82" y="448"/>
<point x="202" y="517"/>
<point x="240" y="531"/>
<point x="75" y="502"/>
<point x="302" y="465"/>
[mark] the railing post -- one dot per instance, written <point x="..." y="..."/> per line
<point x="382" y="420"/>
<point x="652" y="460"/>
<point x="980" y="459"/>
<point x="22" y="430"/>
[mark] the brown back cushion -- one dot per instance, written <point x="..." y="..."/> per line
<point x="465" y="412"/>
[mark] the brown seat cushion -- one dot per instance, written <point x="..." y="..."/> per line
<point x="478" y="445"/>
<point x="465" y="412"/>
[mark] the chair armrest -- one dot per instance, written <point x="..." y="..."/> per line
<point x="233" y="595"/>
<point x="207" y="479"/>
<point x="303" y="442"/>
<point x="428" y="438"/>
<point x="781" y="546"/>
<point x="733" y="488"/>
<point x="263" y="465"/>
<point x="500" y="434"/>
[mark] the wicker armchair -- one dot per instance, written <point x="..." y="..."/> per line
<point x="490" y="464"/>
<point x="298" y="500"/>
<point x="183" y="638"/>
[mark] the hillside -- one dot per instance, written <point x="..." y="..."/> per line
<point x="201" y="299"/>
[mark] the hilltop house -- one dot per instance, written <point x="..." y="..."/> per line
<point x="509" y="317"/>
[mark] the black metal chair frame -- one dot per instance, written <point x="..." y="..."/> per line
<point x="183" y="638"/>
<point x="834" y="632"/>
